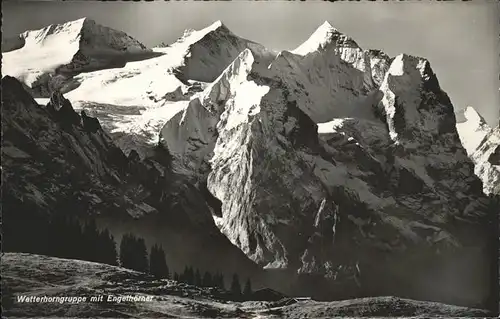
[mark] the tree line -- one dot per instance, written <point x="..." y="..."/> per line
<point x="66" y="237"/>
<point x="133" y="255"/>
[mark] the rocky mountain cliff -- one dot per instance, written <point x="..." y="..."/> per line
<point x="388" y="175"/>
<point x="337" y="169"/>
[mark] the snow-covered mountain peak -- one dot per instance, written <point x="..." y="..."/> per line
<point x="191" y="36"/>
<point x="46" y="57"/>
<point x="472" y="129"/>
<point x="55" y="32"/>
<point x="405" y="63"/>
<point x="473" y="116"/>
<point x="324" y="35"/>
<point x="209" y="51"/>
<point x="81" y="32"/>
<point x="413" y="100"/>
<point x="217" y="24"/>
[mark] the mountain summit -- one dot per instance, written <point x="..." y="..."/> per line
<point x="324" y="35"/>
<point x="52" y="54"/>
<point x="209" y="51"/>
<point x="472" y="128"/>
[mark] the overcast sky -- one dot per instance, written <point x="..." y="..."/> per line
<point x="460" y="39"/>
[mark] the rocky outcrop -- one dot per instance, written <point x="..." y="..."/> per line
<point x="90" y="124"/>
<point x="494" y="158"/>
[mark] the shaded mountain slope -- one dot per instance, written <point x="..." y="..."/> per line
<point x="58" y="162"/>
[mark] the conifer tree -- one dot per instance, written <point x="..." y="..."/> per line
<point x="190" y="276"/>
<point x="133" y="253"/>
<point x="126" y="251"/>
<point x="164" y="270"/>
<point x="74" y="239"/>
<point x="90" y="237"/>
<point x="153" y="261"/>
<point x="207" y="280"/>
<point x="107" y="248"/>
<point x="185" y="274"/>
<point x="56" y="225"/>
<point x="247" y="290"/>
<point x="157" y="264"/>
<point x="235" y="286"/>
<point x="219" y="281"/>
<point x="141" y="255"/>
<point x="176" y="277"/>
<point x="197" y="279"/>
<point x="114" y="253"/>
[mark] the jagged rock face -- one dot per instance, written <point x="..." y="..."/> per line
<point x="392" y="180"/>
<point x="421" y="122"/>
<point x="206" y="58"/>
<point x="241" y="121"/>
<point x="24" y="118"/>
<point x="379" y="64"/>
<point x="412" y="99"/>
<point x="56" y="162"/>
<point x="487" y="163"/>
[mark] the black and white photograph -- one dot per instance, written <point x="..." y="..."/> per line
<point x="250" y="159"/>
